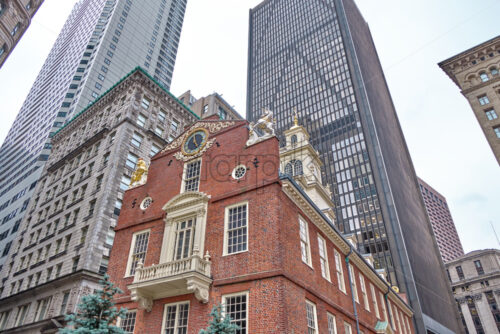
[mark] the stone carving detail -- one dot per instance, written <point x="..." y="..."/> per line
<point x="200" y="290"/>
<point x="145" y="303"/>
<point x="263" y="129"/>
<point x="180" y="156"/>
<point x="479" y="296"/>
<point x="140" y="175"/>
<point x="462" y="300"/>
<point x="212" y="127"/>
<point x="497" y="292"/>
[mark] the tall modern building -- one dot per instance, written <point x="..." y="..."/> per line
<point x="476" y="72"/>
<point x="442" y="223"/>
<point x="318" y="58"/>
<point x="100" y="43"/>
<point x="15" y="17"/>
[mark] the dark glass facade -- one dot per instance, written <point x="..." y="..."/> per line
<point x="313" y="57"/>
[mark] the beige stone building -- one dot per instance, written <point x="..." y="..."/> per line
<point x="476" y="72"/>
<point x="15" y="17"/>
<point x="207" y="106"/>
<point x="475" y="281"/>
<point x="64" y="241"/>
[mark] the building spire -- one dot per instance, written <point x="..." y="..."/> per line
<point x="295" y="117"/>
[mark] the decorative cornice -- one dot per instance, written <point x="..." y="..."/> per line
<point x="212" y="127"/>
<point x="185" y="200"/>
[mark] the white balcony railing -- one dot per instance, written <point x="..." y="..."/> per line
<point x="189" y="275"/>
<point x="193" y="263"/>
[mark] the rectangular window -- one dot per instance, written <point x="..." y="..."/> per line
<point x="159" y="131"/>
<point x="192" y="176"/>
<point x="136" y="140"/>
<point x="391" y="314"/>
<point x="305" y="248"/>
<point x="236" y="307"/>
<point x="354" y="286"/>
<point x="141" y="120"/>
<point x="22" y="311"/>
<point x="382" y="302"/>
<point x="138" y="250"/>
<point x="323" y="258"/>
<point x="64" y="303"/>
<point x="374" y="301"/>
<point x="184" y="239"/>
<point x="347" y="328"/>
<point x="483" y="99"/>
<point x="479" y="267"/>
<point x="131" y="160"/>
<point x="460" y="272"/>
<point x="364" y="293"/>
<point x="312" y="322"/>
<point x="124" y="182"/>
<point x="332" y="325"/>
<point x="162" y="116"/>
<point x="340" y="271"/>
<point x="175" y="318"/>
<point x="41" y="308"/>
<point x="128" y="322"/>
<point x="154" y="149"/>
<point x="145" y="103"/>
<point x="174" y="125"/>
<point x="497" y="131"/>
<point x="491" y="114"/>
<point x="236" y="226"/>
<point x="4" y="317"/>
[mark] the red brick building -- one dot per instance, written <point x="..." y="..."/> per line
<point x="216" y="223"/>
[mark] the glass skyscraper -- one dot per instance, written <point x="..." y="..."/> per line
<point x="318" y="58"/>
<point x="99" y="44"/>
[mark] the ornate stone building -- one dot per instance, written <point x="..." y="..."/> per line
<point x="15" y="17"/>
<point x="217" y="223"/>
<point x="476" y="73"/>
<point x="65" y="238"/>
<point x="475" y="280"/>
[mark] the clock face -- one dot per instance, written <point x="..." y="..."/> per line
<point x="195" y="142"/>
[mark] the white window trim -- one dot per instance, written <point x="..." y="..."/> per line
<point x="315" y="315"/>
<point x="183" y="183"/>
<point x="226" y="225"/>
<point x="309" y="261"/>
<point x="384" y="308"/>
<point x="374" y="300"/>
<point x="119" y="319"/>
<point x="354" y="285"/>
<point x="338" y="265"/>
<point x="391" y="314"/>
<point x="132" y="246"/>
<point x="223" y="304"/>
<point x="346" y="324"/>
<point x="322" y="241"/>
<point x="332" y="316"/>
<point x="364" y="292"/>
<point x="164" y="316"/>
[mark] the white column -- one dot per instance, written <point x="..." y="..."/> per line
<point x="467" y="316"/>
<point x="484" y="311"/>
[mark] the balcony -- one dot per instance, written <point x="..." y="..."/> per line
<point x="174" y="278"/>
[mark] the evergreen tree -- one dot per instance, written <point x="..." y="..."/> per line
<point x="96" y="313"/>
<point x="219" y="324"/>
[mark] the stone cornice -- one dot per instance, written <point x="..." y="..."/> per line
<point x="335" y="237"/>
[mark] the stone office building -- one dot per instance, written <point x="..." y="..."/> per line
<point x="15" y="17"/>
<point x="476" y="72"/>
<point x="475" y="280"/>
<point x="235" y="231"/>
<point x="65" y="238"/>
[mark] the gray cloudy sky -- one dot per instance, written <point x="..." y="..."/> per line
<point x="445" y="141"/>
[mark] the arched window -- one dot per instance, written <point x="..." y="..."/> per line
<point x="297" y="168"/>
<point x="294" y="139"/>
<point x="3" y="49"/>
<point x="289" y="169"/>
<point x="494" y="71"/>
<point x="2" y="7"/>
<point x="484" y="76"/>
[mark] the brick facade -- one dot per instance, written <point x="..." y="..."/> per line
<point x="270" y="270"/>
